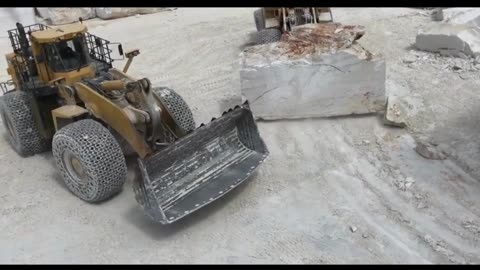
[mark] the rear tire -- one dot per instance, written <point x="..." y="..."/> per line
<point x="90" y="160"/>
<point x="22" y="131"/>
<point x="268" y="35"/>
<point x="259" y="19"/>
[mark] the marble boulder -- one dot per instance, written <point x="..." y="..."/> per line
<point x="317" y="71"/>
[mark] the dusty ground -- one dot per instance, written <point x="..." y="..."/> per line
<point x="324" y="178"/>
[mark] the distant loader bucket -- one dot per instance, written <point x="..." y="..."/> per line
<point x="200" y="167"/>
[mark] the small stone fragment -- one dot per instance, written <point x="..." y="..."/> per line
<point x="429" y="151"/>
<point x="409" y="180"/>
<point x="395" y="113"/>
<point x="409" y="59"/>
<point x="421" y="205"/>
<point x="353" y="228"/>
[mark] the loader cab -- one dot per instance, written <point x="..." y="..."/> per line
<point x="62" y="53"/>
<point x="42" y="55"/>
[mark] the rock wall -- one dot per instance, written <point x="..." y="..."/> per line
<point x="114" y="13"/>
<point x="58" y="16"/>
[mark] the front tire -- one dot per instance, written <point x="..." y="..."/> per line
<point x="90" y="160"/>
<point x="22" y="131"/>
<point x="177" y="108"/>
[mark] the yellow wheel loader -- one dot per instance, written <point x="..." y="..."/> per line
<point x="272" y="22"/>
<point x="65" y="95"/>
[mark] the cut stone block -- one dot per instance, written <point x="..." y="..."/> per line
<point x="320" y="75"/>
<point x="454" y="39"/>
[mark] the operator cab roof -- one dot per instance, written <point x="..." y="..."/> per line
<point x="63" y="32"/>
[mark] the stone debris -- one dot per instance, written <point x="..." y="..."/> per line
<point x="400" y="184"/>
<point x="443" y="62"/>
<point x="404" y="184"/>
<point x="421" y="205"/>
<point x="471" y="226"/>
<point x="353" y="228"/>
<point x="430" y="151"/>
<point x="441" y="247"/>
<point x="409" y="181"/>
<point x="325" y="37"/>
<point x="451" y="39"/>
<point x="409" y="59"/>
<point x="317" y="71"/>
<point x="395" y="113"/>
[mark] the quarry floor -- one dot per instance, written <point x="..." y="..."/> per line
<point x="332" y="191"/>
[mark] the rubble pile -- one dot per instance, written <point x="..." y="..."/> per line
<point x="442" y="62"/>
<point x="327" y="38"/>
<point x="316" y="71"/>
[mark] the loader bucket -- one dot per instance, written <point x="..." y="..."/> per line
<point x="200" y="167"/>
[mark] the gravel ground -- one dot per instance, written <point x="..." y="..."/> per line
<point x="340" y="190"/>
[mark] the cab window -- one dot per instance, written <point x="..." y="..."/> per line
<point x="67" y="55"/>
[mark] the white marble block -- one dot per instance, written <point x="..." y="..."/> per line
<point x="451" y="39"/>
<point x="283" y="82"/>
